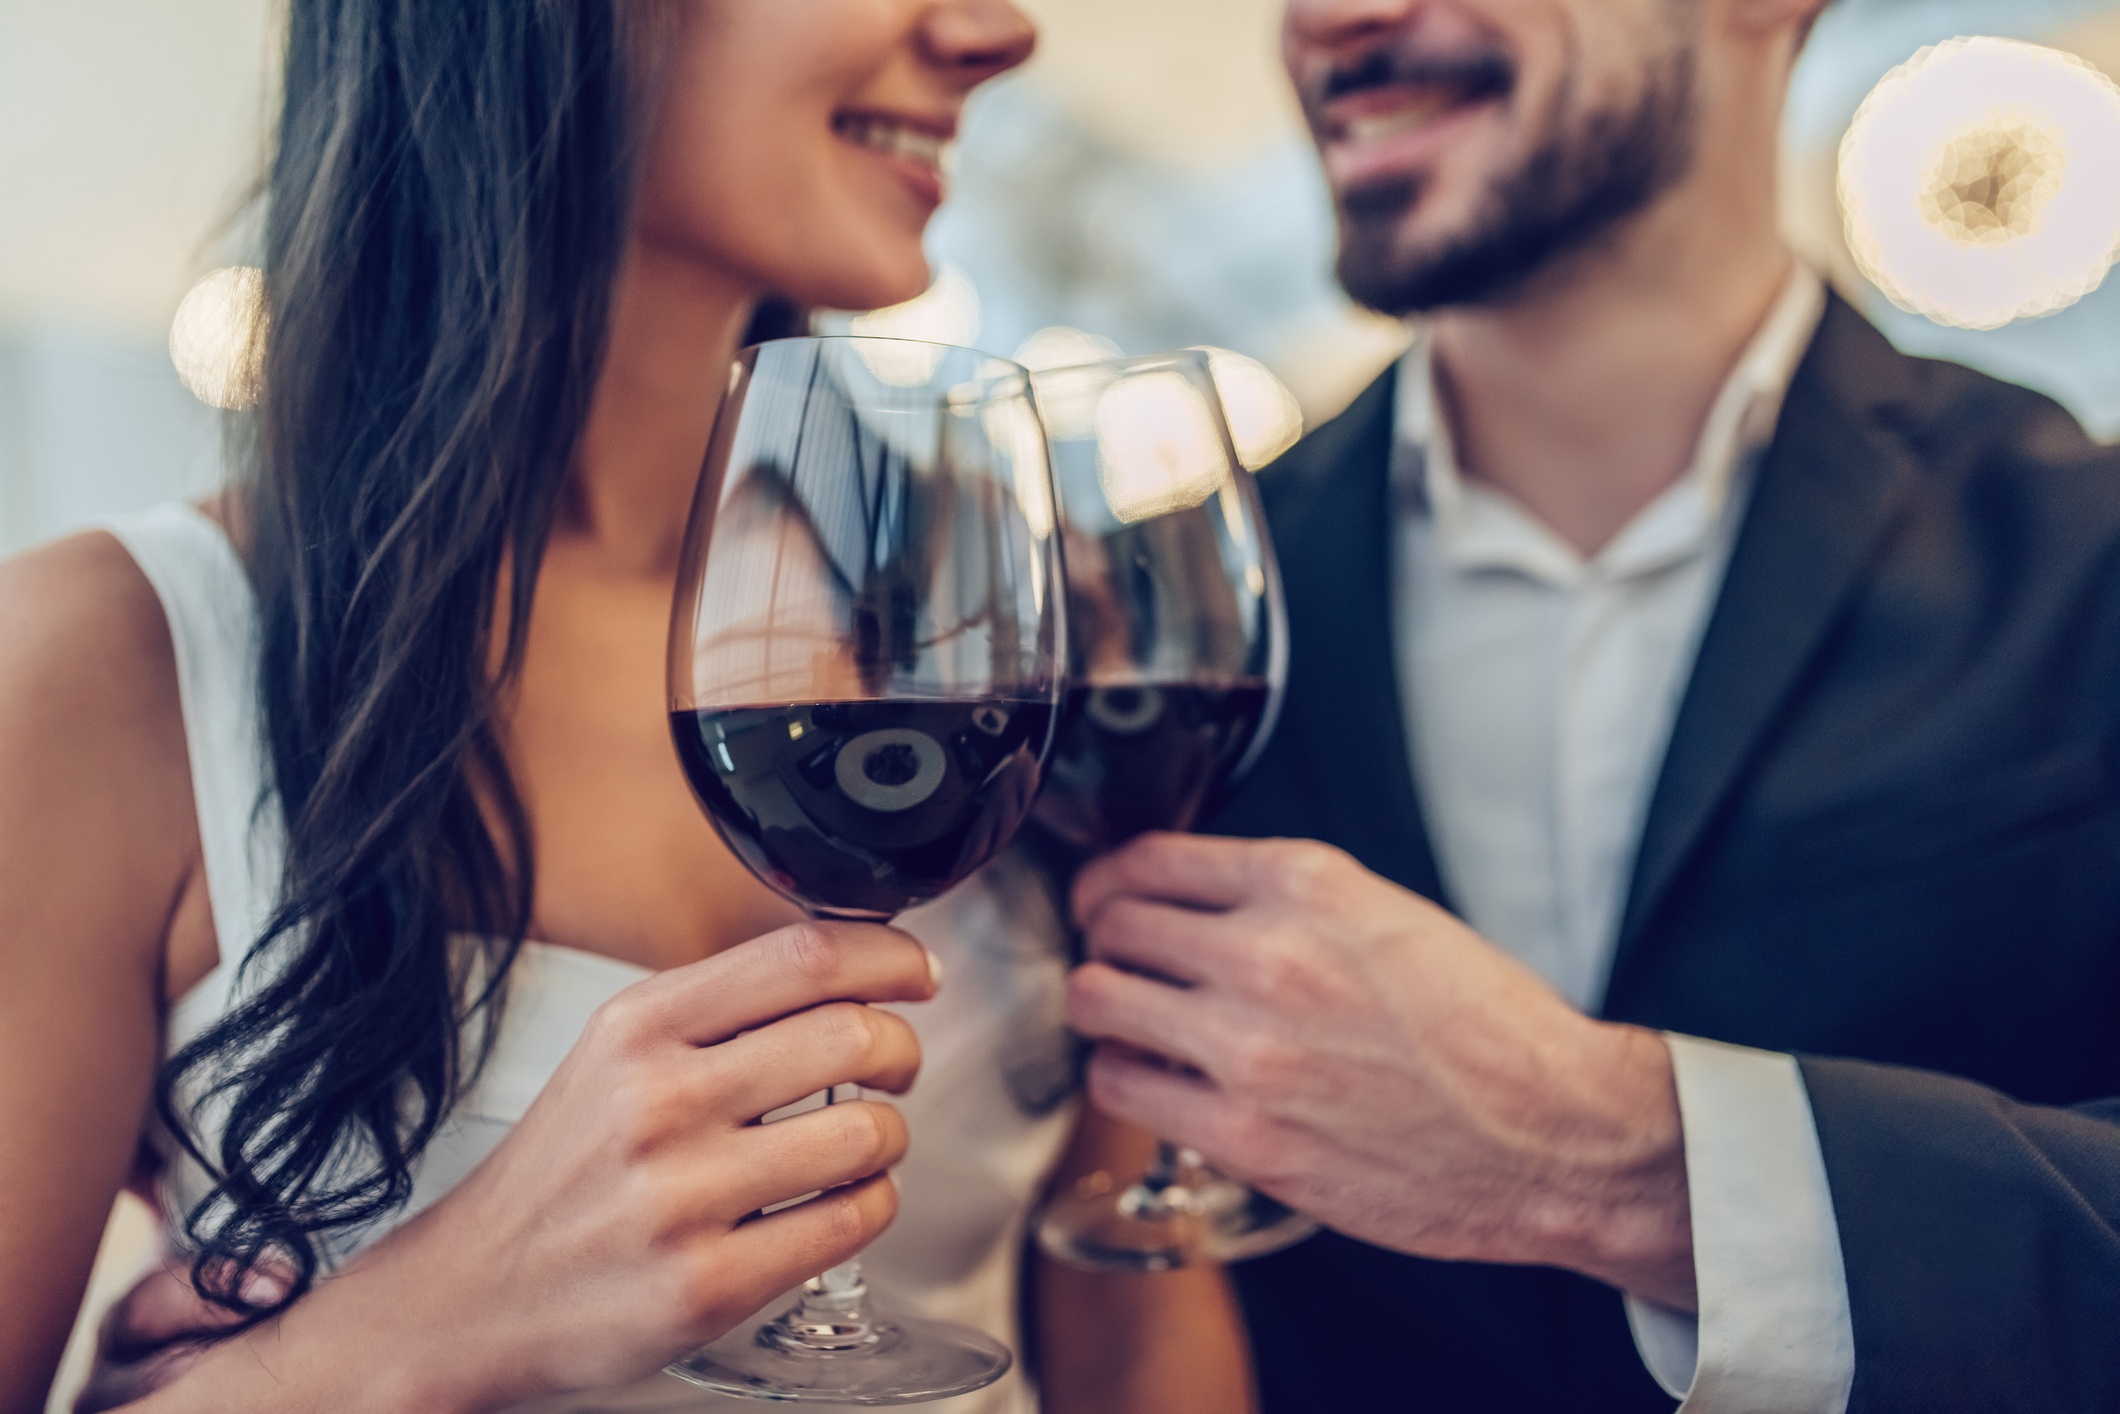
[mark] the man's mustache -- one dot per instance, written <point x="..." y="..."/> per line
<point x="1473" y="75"/>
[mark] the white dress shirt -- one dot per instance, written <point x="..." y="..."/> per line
<point x="1539" y="689"/>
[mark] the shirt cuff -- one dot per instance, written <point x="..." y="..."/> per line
<point x="1773" y="1335"/>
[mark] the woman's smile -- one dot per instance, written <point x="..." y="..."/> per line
<point x="912" y="147"/>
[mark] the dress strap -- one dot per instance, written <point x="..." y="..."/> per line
<point x="213" y="626"/>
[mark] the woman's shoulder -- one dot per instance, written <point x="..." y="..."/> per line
<point x="84" y="627"/>
<point x="98" y="799"/>
<point x="79" y="611"/>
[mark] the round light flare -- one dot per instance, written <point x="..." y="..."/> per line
<point x="1265" y="419"/>
<point x="213" y="339"/>
<point x="1062" y="347"/>
<point x="1159" y="446"/>
<point x="1981" y="182"/>
<point x="948" y="313"/>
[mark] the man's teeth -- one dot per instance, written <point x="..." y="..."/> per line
<point x="895" y="140"/>
<point x="1378" y="126"/>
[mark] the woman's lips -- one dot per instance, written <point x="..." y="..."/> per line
<point x="914" y="148"/>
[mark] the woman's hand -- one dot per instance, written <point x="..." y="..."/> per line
<point x="617" y="1226"/>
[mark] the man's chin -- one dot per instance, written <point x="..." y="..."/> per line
<point x="1378" y="274"/>
<point x="1485" y="266"/>
<point x="1384" y="266"/>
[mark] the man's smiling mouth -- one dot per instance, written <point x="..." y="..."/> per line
<point x="1387" y="96"/>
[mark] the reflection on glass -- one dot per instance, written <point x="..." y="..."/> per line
<point x="1264" y="418"/>
<point x="866" y="659"/>
<point x="1159" y="446"/>
<point x="1178" y="654"/>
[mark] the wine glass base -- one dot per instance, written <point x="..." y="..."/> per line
<point x="1249" y="1224"/>
<point x="908" y="1361"/>
<point x="1147" y="1228"/>
<point x="1137" y="1229"/>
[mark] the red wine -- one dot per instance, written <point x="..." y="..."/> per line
<point x="1146" y="756"/>
<point x="866" y="808"/>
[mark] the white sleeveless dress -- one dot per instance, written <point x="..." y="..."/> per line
<point x="988" y="1116"/>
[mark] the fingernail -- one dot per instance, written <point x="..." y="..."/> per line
<point x="934" y="968"/>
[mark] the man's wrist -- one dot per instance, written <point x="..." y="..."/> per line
<point x="1614" y="1202"/>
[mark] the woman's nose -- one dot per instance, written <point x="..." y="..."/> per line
<point x="978" y="39"/>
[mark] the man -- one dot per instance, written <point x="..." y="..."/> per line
<point x="1743" y="679"/>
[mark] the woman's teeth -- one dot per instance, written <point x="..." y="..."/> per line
<point x="894" y="140"/>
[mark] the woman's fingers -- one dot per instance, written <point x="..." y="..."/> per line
<point x="821" y="1149"/>
<point x="789" y="970"/>
<point x="770" y="1254"/>
<point x="841" y="1043"/>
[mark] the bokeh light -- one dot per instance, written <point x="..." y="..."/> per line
<point x="1980" y="182"/>
<point x="948" y="313"/>
<point x="1158" y="446"/>
<point x="1265" y="419"/>
<point x="213" y="339"/>
<point x="1062" y="347"/>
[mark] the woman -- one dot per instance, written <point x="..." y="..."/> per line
<point x="394" y="707"/>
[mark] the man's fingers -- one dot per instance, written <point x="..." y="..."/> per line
<point x="1184" y="1109"/>
<point x="789" y="970"/>
<point x="1106" y="1004"/>
<point x="840" y="1043"/>
<point x="1178" y="943"/>
<point x="1195" y="871"/>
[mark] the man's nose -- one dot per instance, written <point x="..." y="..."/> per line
<point x="1331" y="24"/>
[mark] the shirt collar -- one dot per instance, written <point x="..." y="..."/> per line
<point x="1478" y="527"/>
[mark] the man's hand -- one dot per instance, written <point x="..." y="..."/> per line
<point x="1363" y="1056"/>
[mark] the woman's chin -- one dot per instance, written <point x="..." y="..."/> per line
<point x="875" y="294"/>
<point x="872" y="275"/>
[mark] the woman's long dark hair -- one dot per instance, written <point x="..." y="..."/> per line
<point x="446" y="211"/>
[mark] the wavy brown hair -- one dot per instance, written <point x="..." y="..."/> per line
<point x="446" y="209"/>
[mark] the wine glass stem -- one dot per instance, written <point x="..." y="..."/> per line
<point x="1164" y="1168"/>
<point x="833" y="1314"/>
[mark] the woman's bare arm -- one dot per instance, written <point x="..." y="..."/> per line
<point x="613" y="1228"/>
<point x="1111" y="1343"/>
<point x="98" y="848"/>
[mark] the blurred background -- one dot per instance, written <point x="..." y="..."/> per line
<point x="1144" y="184"/>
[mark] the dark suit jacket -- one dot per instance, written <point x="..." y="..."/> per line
<point x="1887" y="827"/>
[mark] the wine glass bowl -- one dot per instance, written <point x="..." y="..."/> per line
<point x="867" y="657"/>
<point x="1178" y="651"/>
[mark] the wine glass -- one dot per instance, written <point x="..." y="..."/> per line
<point x="866" y="661"/>
<point x="1178" y="657"/>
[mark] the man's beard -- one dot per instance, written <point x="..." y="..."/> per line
<point x="1581" y="183"/>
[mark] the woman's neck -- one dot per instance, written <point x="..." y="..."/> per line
<point x="674" y="327"/>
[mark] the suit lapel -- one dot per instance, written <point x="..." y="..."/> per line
<point x="1342" y="715"/>
<point x="1832" y="486"/>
